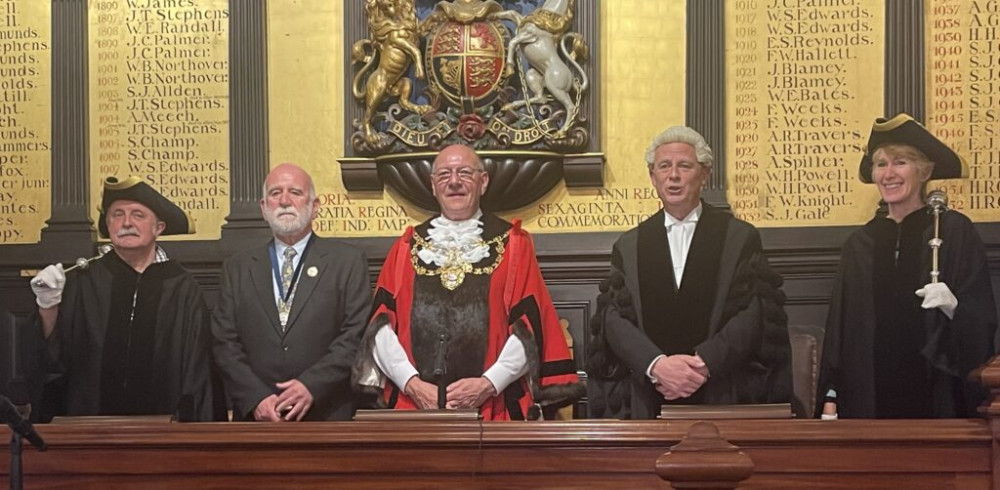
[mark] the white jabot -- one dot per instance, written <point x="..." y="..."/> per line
<point x="679" y="235"/>
<point x="279" y="248"/>
<point x="392" y="360"/>
<point x="461" y="238"/>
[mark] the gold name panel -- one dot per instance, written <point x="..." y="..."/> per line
<point x="25" y="119"/>
<point x="804" y="83"/>
<point x="159" y="102"/>
<point x="963" y="97"/>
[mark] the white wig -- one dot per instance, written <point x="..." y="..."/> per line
<point x="681" y="134"/>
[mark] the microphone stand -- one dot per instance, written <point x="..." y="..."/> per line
<point x="16" y="389"/>
<point x="16" y="475"/>
<point x="440" y="368"/>
<point x="17" y="428"/>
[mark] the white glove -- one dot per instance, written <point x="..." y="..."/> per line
<point x="48" y="286"/>
<point x="937" y="295"/>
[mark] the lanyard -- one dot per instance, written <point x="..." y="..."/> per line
<point x="276" y="269"/>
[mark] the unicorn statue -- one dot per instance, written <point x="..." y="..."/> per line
<point x="537" y="37"/>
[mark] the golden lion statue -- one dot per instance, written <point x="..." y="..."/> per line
<point x="395" y="43"/>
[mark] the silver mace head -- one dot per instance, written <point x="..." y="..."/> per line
<point x="937" y="200"/>
<point x="82" y="263"/>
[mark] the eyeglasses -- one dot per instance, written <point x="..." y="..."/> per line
<point x="465" y="174"/>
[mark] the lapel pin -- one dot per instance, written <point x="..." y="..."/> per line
<point x="312" y="271"/>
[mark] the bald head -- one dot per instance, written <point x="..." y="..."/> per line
<point x="292" y="170"/>
<point x="458" y="181"/>
<point x="458" y="152"/>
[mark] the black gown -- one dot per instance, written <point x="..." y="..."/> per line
<point x="135" y="344"/>
<point x="887" y="357"/>
<point x="729" y="310"/>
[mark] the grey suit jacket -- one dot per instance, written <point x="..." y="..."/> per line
<point x="329" y="311"/>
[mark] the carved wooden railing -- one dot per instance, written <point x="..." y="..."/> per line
<point x="990" y="376"/>
<point x="785" y="454"/>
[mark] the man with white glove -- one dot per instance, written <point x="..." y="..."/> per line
<point x="105" y="324"/>
<point x="48" y="286"/>
<point x="938" y="295"/>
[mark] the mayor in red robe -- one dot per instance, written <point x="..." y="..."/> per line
<point x="461" y="301"/>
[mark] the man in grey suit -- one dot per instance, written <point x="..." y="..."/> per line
<point x="291" y="313"/>
<point x="691" y="313"/>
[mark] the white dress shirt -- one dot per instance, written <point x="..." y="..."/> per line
<point x="392" y="360"/>
<point x="679" y="235"/>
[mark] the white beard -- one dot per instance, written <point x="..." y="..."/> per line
<point x="286" y="225"/>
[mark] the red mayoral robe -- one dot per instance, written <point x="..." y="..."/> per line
<point x="518" y="304"/>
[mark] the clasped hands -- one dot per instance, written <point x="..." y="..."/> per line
<point x="292" y="403"/>
<point x="464" y="393"/>
<point x="679" y="375"/>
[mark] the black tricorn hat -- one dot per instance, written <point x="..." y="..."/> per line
<point x="903" y="129"/>
<point x="135" y="189"/>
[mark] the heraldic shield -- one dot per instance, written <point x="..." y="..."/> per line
<point x="510" y="79"/>
<point x="467" y="62"/>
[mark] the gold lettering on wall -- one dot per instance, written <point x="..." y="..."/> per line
<point x="963" y="97"/>
<point x="804" y="85"/>
<point x="159" y="101"/>
<point x="25" y="119"/>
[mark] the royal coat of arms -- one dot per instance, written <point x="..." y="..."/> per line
<point x="502" y="77"/>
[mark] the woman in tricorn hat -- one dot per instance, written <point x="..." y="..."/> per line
<point x="898" y="345"/>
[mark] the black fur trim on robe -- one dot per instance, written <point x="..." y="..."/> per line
<point x="365" y="362"/>
<point x="546" y="398"/>
<point x="601" y="362"/>
<point x="755" y="278"/>
<point x="609" y="389"/>
<point x="462" y="316"/>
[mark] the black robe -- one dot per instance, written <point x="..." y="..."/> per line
<point x="885" y="356"/>
<point x="135" y="344"/>
<point x="728" y="310"/>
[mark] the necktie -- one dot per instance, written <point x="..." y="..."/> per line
<point x="287" y="270"/>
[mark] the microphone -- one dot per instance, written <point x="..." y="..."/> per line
<point x="82" y="263"/>
<point x="10" y="415"/>
<point x="937" y="200"/>
<point x="440" y="368"/>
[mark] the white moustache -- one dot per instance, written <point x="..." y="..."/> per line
<point x="127" y="232"/>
